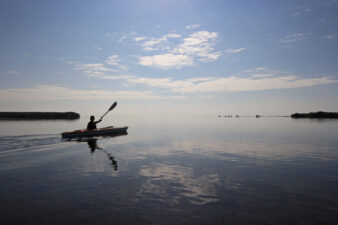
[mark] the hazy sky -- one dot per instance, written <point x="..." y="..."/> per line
<point x="176" y="56"/>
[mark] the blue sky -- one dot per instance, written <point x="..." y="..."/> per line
<point x="168" y="56"/>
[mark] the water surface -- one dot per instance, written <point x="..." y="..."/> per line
<point x="171" y="171"/>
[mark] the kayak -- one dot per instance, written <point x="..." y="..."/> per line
<point x="97" y="132"/>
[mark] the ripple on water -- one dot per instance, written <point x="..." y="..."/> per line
<point x="27" y="142"/>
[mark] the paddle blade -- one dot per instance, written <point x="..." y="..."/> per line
<point x="112" y="106"/>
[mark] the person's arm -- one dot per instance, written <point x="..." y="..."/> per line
<point x="98" y="121"/>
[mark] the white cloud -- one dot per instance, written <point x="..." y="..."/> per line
<point x="161" y="82"/>
<point x="256" y="80"/>
<point x="255" y="70"/>
<point x="229" y="50"/>
<point x="200" y="45"/>
<point x="192" y="26"/>
<point x="113" y="60"/>
<point x="262" y="75"/>
<point x="155" y="44"/>
<point x="172" y="35"/>
<point x="237" y="84"/>
<point x="197" y="46"/>
<point x="99" y="70"/>
<point x="115" y="77"/>
<point x="93" y="69"/>
<point x="138" y="39"/>
<point x="166" y="61"/>
<point x="261" y="72"/>
<point x="199" y="79"/>
<point x="294" y="37"/>
<point x="48" y="92"/>
<point x="260" y="78"/>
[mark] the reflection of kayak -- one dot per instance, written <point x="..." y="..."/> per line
<point x="97" y="132"/>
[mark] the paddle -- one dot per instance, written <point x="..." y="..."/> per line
<point x="110" y="109"/>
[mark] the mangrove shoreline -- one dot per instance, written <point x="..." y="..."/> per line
<point x="39" y="115"/>
<point x="316" y="115"/>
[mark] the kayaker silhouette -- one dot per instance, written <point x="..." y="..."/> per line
<point x="93" y="131"/>
<point x="92" y="124"/>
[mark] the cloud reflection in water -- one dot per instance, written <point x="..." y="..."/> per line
<point x="162" y="179"/>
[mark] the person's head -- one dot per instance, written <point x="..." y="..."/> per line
<point x="92" y="118"/>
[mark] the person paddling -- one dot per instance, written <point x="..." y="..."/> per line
<point x="92" y="124"/>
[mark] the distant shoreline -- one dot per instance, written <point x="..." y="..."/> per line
<point x="39" y="115"/>
<point x="311" y="115"/>
<point x="316" y="115"/>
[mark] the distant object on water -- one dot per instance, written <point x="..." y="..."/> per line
<point x="39" y="115"/>
<point x="320" y="114"/>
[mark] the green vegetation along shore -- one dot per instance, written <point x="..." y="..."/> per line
<point x="319" y="114"/>
<point x="39" y="115"/>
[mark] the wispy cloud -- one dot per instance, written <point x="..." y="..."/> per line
<point x="101" y="70"/>
<point x="230" y="51"/>
<point x="294" y="37"/>
<point x="257" y="79"/>
<point x="155" y="44"/>
<point x="192" y="26"/>
<point x="165" y="61"/>
<point x="93" y="69"/>
<point x="301" y="10"/>
<point x="123" y="37"/>
<point x="12" y="72"/>
<point x="115" y="77"/>
<point x="261" y="72"/>
<point x="114" y="60"/>
<point x="97" y="48"/>
<point x="140" y="38"/>
<point x="48" y="92"/>
<point x="237" y="84"/>
<point x="331" y="36"/>
<point x="161" y="82"/>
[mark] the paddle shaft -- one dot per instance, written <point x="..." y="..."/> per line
<point x="104" y="114"/>
<point x="110" y="109"/>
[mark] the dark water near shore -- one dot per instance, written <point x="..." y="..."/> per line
<point x="171" y="171"/>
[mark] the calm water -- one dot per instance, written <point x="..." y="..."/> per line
<point x="171" y="171"/>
